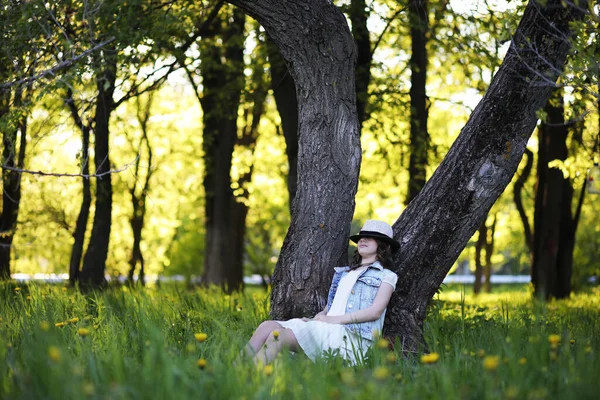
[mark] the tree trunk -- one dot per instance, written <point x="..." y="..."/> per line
<point x="86" y="202"/>
<point x="94" y="261"/>
<point x="435" y="227"/>
<point x="419" y="135"/>
<point x="489" y="251"/>
<point x="284" y="91"/>
<point x="517" y="198"/>
<point x="11" y="180"/>
<point x="315" y="40"/>
<point x="359" y="14"/>
<point x="222" y="83"/>
<point x="479" y="246"/>
<point x="550" y="201"/>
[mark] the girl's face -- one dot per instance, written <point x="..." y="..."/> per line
<point x="367" y="247"/>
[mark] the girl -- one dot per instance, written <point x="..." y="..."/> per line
<point x="356" y="305"/>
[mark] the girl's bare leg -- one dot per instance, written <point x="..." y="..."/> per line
<point x="260" y="335"/>
<point x="272" y="346"/>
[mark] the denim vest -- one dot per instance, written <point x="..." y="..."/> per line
<point x="362" y="296"/>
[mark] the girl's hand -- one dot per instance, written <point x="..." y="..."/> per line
<point x="326" y="319"/>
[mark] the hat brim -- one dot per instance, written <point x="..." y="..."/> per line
<point x="376" y="235"/>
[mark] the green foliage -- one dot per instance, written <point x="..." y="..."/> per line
<point x="58" y="343"/>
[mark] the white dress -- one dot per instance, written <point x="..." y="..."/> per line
<point x="317" y="337"/>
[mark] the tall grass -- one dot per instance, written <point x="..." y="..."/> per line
<point x="120" y="344"/>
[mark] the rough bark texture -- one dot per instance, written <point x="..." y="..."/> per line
<point x="86" y="201"/>
<point x="419" y="135"/>
<point x="479" y="247"/>
<point x="94" y="261"/>
<point x="222" y="86"/>
<point x="314" y="38"/>
<point x="437" y="224"/>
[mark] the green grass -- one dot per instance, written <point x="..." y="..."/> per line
<point x="141" y="345"/>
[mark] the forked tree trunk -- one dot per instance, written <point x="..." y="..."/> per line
<point x="314" y="38"/>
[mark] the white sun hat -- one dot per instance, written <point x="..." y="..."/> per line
<point x="378" y="230"/>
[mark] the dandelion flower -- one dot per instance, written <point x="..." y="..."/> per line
<point x="572" y="341"/>
<point x="268" y="370"/>
<point x="382" y="343"/>
<point x="201" y="337"/>
<point x="276" y="334"/>
<point x="28" y="298"/>
<point x="381" y="373"/>
<point x="201" y="363"/>
<point x="54" y="353"/>
<point x="554" y="339"/>
<point x="522" y="361"/>
<point x="391" y="358"/>
<point x="60" y="324"/>
<point x="398" y="377"/>
<point x="73" y="320"/>
<point x="17" y="289"/>
<point x="430" y="358"/>
<point x="64" y="289"/>
<point x="83" y="332"/>
<point x="588" y="349"/>
<point x="44" y="325"/>
<point x="491" y="363"/>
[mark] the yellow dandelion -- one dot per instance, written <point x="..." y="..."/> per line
<point x="44" y="325"/>
<point x="391" y="358"/>
<point x="28" y="298"/>
<point x="64" y="289"/>
<point x="60" y="324"/>
<point x="201" y="337"/>
<point x="522" y="361"/>
<point x="268" y="369"/>
<point x="83" y="331"/>
<point x="201" y="363"/>
<point x="54" y="353"/>
<point x="88" y="388"/>
<point x="381" y="373"/>
<point x="490" y="363"/>
<point x="276" y="334"/>
<point x="17" y="289"/>
<point x="382" y="343"/>
<point x="572" y="341"/>
<point x="554" y="339"/>
<point x="554" y="346"/>
<point x="73" y="320"/>
<point x="398" y="377"/>
<point x="430" y="358"/>
<point x="588" y="349"/>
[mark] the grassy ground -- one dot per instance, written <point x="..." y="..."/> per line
<point x="173" y="343"/>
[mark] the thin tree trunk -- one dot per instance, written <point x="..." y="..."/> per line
<point x="479" y="246"/>
<point x="84" y="210"/>
<point x="419" y="135"/>
<point x="489" y="251"/>
<point x="94" y="261"/>
<point x="518" y="199"/>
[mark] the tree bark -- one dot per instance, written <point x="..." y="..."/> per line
<point x="11" y="180"/>
<point x="94" y="261"/>
<point x="518" y="199"/>
<point x="489" y="251"/>
<point x="222" y="83"/>
<point x="359" y="15"/>
<point x="479" y="247"/>
<point x="86" y="201"/>
<point x="419" y="135"/>
<point x="314" y="38"/>
<point x="437" y="224"/>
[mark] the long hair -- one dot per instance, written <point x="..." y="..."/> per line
<point x="384" y="256"/>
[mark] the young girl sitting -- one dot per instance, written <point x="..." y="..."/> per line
<point x="356" y="305"/>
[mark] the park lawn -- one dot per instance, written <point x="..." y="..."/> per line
<point x="171" y="342"/>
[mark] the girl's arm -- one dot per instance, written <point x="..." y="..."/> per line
<point x="368" y="314"/>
